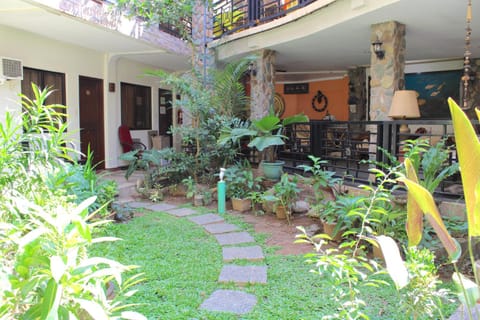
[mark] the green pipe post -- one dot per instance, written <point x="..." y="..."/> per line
<point x="221" y="190"/>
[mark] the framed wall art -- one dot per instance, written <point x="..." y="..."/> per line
<point x="295" y="88"/>
<point x="433" y="89"/>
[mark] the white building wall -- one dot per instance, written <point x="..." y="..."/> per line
<point x="48" y="54"/>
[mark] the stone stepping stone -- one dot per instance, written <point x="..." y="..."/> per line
<point x="462" y="313"/>
<point x="216" y="228"/>
<point x="243" y="274"/>
<point x="138" y="204"/>
<point x="181" y="212"/>
<point x="162" y="207"/>
<point x="232" y="301"/>
<point x="234" y="238"/>
<point x="253" y="253"/>
<point x="206" y="219"/>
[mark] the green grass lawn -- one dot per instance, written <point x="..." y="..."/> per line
<point x="182" y="263"/>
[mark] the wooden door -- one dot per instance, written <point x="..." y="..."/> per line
<point x="91" y="119"/>
<point x="165" y="113"/>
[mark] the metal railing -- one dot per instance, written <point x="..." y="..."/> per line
<point x="230" y="16"/>
<point x="345" y="144"/>
<point x="175" y="30"/>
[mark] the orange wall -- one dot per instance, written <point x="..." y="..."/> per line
<point x="335" y="90"/>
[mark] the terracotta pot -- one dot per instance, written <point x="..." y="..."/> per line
<point x="198" y="200"/>
<point x="328" y="229"/>
<point x="241" y="205"/>
<point x="178" y="190"/>
<point x="269" y="206"/>
<point x="281" y="212"/>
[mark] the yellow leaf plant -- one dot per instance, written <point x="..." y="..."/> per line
<point x="420" y="200"/>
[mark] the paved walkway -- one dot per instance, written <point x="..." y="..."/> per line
<point x="237" y="245"/>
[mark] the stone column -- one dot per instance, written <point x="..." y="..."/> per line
<point x="357" y="94"/>
<point x="202" y="33"/>
<point x="262" y="84"/>
<point x="387" y="74"/>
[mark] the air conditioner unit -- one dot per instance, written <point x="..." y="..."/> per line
<point x="11" y="69"/>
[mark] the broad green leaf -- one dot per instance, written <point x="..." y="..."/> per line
<point x="95" y="310"/>
<point x="57" y="268"/>
<point x="264" y="142"/>
<point x="297" y="118"/>
<point x="267" y="124"/>
<point x="83" y="206"/>
<point x="235" y="135"/>
<point x="49" y="298"/>
<point x="427" y="204"/>
<point x="468" y="151"/>
<point x="30" y="237"/>
<point x="53" y="315"/>
<point x="395" y="265"/>
<point x="414" y="213"/>
<point x="83" y="229"/>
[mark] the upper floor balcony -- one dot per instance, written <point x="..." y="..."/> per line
<point x="231" y="16"/>
<point x="97" y="25"/>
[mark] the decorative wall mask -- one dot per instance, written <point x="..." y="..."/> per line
<point x="320" y="102"/>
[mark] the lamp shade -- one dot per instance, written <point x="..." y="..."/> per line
<point x="404" y="105"/>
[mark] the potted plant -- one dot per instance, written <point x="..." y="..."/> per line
<point x="339" y="215"/>
<point x="328" y="215"/>
<point x="266" y="134"/>
<point x="285" y="193"/>
<point x="192" y="191"/>
<point x="257" y="199"/>
<point x="241" y="182"/>
<point x="321" y="179"/>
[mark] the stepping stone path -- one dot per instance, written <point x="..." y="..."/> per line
<point x="253" y="253"/>
<point x="243" y="274"/>
<point x="232" y="301"/>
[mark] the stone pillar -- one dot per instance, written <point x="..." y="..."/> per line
<point x="387" y="74"/>
<point x="202" y="33"/>
<point x="357" y="94"/>
<point x="262" y="84"/>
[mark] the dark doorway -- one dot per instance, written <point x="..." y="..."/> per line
<point x="91" y="119"/>
<point x="165" y="113"/>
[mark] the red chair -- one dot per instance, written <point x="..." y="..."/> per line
<point x="126" y="140"/>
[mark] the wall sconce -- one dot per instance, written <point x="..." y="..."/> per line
<point x="252" y="68"/>
<point x="377" y="49"/>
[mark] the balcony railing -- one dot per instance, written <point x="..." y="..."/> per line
<point x="230" y="16"/>
<point x="175" y="30"/>
<point x="345" y="144"/>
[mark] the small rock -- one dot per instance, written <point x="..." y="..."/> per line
<point x="313" y="229"/>
<point x="312" y="213"/>
<point x="300" y="207"/>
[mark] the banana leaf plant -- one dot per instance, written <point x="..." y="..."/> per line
<point x="420" y="202"/>
<point x="265" y="133"/>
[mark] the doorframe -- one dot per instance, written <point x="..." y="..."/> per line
<point x="100" y="119"/>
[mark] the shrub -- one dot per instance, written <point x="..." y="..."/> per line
<point x="45" y="230"/>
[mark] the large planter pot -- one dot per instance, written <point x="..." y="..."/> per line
<point x="178" y="190"/>
<point x="329" y="228"/>
<point x="273" y="170"/>
<point x="281" y="212"/>
<point x="241" y="205"/>
<point x="198" y="200"/>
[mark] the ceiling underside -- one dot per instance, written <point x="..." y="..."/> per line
<point x="435" y="31"/>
